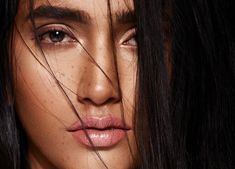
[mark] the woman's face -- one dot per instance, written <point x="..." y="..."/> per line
<point x="84" y="66"/>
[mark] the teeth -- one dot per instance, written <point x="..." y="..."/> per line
<point x="101" y="129"/>
<point x="101" y="136"/>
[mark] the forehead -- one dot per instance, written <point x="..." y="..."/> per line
<point x="93" y="7"/>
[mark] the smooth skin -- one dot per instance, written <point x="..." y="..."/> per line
<point x="76" y="67"/>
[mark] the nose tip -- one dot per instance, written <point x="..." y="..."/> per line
<point x="99" y="94"/>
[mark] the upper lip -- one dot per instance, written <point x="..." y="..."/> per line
<point x="97" y="123"/>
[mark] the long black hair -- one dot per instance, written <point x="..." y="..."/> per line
<point x="184" y="114"/>
<point x="189" y="119"/>
<point x="9" y="144"/>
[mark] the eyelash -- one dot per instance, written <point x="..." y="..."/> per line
<point x="45" y="36"/>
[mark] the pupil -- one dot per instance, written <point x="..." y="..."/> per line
<point x="56" y="36"/>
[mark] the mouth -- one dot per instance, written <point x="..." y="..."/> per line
<point x="99" y="132"/>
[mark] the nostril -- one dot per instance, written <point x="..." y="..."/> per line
<point x="86" y="101"/>
<point x="111" y="100"/>
<point x="96" y="102"/>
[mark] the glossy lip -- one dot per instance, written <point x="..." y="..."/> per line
<point x="103" y="132"/>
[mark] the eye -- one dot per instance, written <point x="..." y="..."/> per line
<point x="131" y="42"/>
<point x="130" y="38"/>
<point x="55" y="35"/>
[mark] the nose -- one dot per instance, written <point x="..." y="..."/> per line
<point x="97" y="89"/>
<point x="99" y="83"/>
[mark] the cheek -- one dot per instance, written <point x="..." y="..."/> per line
<point x="127" y="69"/>
<point x="39" y="100"/>
<point x="37" y="97"/>
<point x="42" y="108"/>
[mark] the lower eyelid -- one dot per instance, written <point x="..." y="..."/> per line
<point x="52" y="46"/>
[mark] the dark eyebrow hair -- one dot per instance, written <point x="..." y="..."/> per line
<point x="48" y="11"/>
<point x="54" y="12"/>
<point x="125" y="17"/>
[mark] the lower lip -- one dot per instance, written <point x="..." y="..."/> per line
<point x="99" y="138"/>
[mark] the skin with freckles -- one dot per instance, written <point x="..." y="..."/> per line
<point x="74" y="61"/>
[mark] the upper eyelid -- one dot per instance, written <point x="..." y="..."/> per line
<point x="53" y="24"/>
<point x="127" y="35"/>
<point x="43" y="29"/>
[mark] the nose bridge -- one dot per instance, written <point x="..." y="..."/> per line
<point x="103" y="51"/>
<point x="100" y="83"/>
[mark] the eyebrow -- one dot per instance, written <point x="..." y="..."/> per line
<point x="48" y="11"/>
<point x="54" y="12"/>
